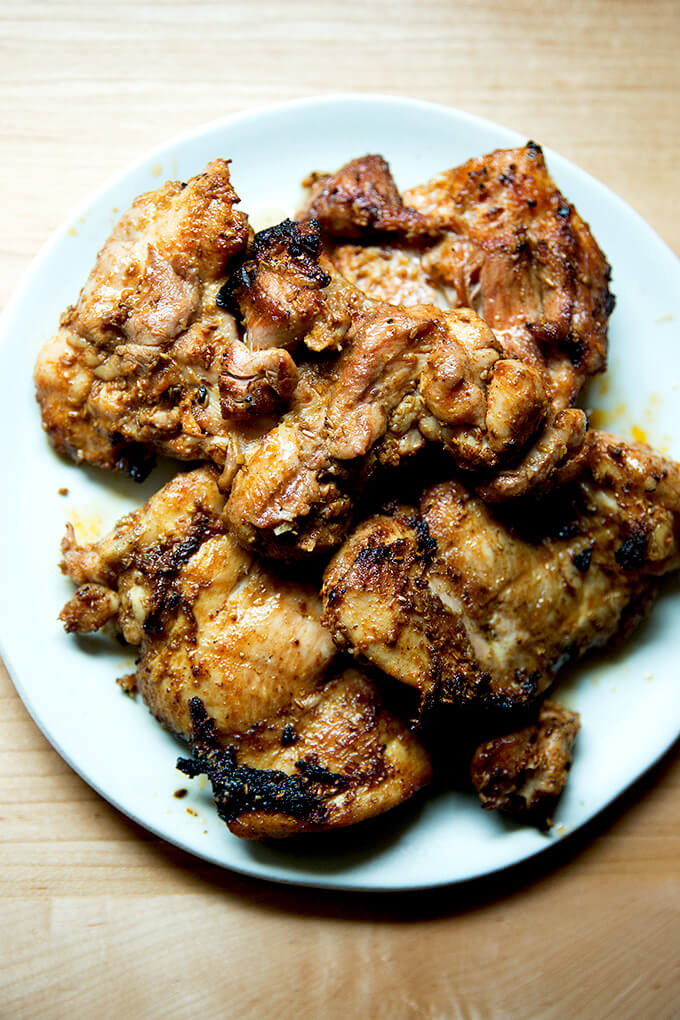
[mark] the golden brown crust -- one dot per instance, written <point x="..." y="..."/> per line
<point x="361" y="199"/>
<point x="524" y="773"/>
<point x="333" y="758"/>
<point x="481" y="607"/>
<point x="405" y="376"/>
<point x="197" y="605"/>
<point x="502" y="240"/>
<point x="217" y="627"/>
<point x="518" y="251"/>
<point x="497" y="402"/>
<point x="137" y="363"/>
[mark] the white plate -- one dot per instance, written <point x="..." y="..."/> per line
<point x="630" y="704"/>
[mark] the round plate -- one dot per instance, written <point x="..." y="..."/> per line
<point x="629" y="703"/>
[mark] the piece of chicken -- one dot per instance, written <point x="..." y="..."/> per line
<point x="147" y="361"/>
<point x="494" y="234"/>
<point x="335" y="756"/>
<point x="479" y="607"/>
<point x="286" y="290"/>
<point x="524" y="773"/>
<point x="404" y="376"/>
<point x="225" y="638"/>
<point x="362" y="199"/>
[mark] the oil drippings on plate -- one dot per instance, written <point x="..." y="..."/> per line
<point x="87" y="525"/>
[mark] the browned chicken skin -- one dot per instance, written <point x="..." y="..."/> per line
<point x="523" y="773"/>
<point x="465" y="314"/>
<point x="148" y="360"/>
<point x="404" y="376"/>
<point x="361" y="201"/>
<point x="407" y="376"/>
<point x="332" y="758"/>
<point x="362" y="198"/>
<point x="480" y="608"/>
<point x="502" y="240"/>
<point x="287" y="291"/>
<point x="223" y="638"/>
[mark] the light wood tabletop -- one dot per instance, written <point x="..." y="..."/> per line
<point x="101" y="919"/>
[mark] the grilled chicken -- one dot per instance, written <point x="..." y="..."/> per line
<point x="404" y="376"/>
<point x="235" y="655"/>
<point x="286" y="291"/>
<point x="465" y="316"/>
<point x="389" y="272"/>
<point x="333" y="757"/>
<point x="524" y="773"/>
<point x="148" y="360"/>
<point x="362" y="199"/>
<point x="479" y="607"/>
<point x="494" y="234"/>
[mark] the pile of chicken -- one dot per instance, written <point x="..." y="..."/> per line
<point x="401" y="528"/>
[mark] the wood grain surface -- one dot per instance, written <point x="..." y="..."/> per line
<point x="100" y="919"/>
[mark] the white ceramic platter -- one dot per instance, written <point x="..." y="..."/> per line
<point x="630" y="704"/>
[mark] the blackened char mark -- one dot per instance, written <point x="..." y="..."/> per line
<point x="310" y="768"/>
<point x="298" y="239"/>
<point x="288" y="735"/>
<point x="581" y="560"/>
<point x="375" y="555"/>
<point x="163" y="562"/>
<point x="475" y="696"/>
<point x="426" y="543"/>
<point x="576" y="349"/>
<point x="632" y="553"/>
<point x="240" y="790"/>
<point x="241" y="279"/>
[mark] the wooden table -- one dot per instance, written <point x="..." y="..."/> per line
<point x="99" y="919"/>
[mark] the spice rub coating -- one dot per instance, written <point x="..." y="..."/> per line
<point x="147" y="360"/>
<point x="216" y="626"/>
<point x="336" y="756"/>
<point x="524" y="773"/>
<point x="403" y="378"/>
<point x="494" y="234"/>
<point x="479" y="607"/>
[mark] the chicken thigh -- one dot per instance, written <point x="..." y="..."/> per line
<point x="147" y="360"/>
<point x="234" y="658"/>
<point x="479" y="607"/>
<point x="494" y="234"/>
<point x="403" y="377"/>
<point x="524" y="773"/>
